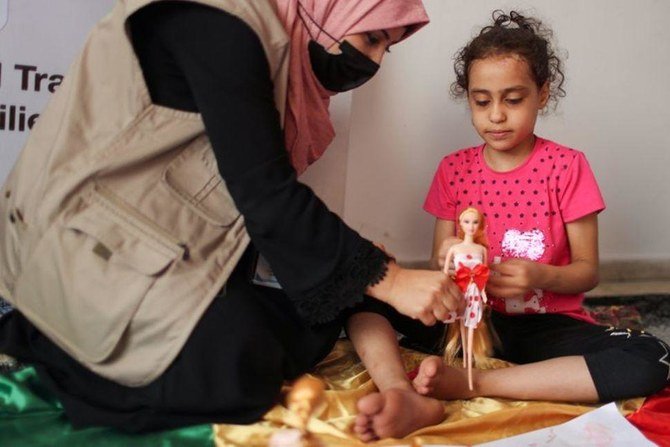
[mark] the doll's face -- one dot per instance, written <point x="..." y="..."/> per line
<point x="470" y="223"/>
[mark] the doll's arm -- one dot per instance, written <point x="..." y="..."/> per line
<point x="444" y="236"/>
<point x="447" y="260"/>
<point x="517" y="276"/>
<point x="485" y="261"/>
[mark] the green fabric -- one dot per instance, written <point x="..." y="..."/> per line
<point x="31" y="416"/>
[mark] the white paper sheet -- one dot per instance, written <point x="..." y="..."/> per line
<point x="604" y="427"/>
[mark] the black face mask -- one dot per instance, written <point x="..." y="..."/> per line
<point x="341" y="72"/>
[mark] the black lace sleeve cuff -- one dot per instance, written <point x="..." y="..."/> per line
<point x="347" y="286"/>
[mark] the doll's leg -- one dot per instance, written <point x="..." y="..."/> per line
<point x="464" y="343"/>
<point x="397" y="409"/>
<point x="470" y="336"/>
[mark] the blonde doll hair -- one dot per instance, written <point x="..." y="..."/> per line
<point x="482" y="341"/>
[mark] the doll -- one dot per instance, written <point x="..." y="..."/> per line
<point x="471" y="273"/>
<point x="305" y="398"/>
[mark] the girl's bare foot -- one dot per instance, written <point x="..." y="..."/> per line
<point x="435" y="379"/>
<point x="395" y="413"/>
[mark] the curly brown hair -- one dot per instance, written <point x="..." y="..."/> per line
<point x="513" y="34"/>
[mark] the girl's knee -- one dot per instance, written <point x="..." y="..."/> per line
<point x="639" y="368"/>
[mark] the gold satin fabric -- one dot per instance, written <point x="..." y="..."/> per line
<point x="467" y="422"/>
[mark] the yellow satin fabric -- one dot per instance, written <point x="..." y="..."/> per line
<point x="467" y="422"/>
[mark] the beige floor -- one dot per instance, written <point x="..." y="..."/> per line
<point x="633" y="278"/>
<point x="630" y="288"/>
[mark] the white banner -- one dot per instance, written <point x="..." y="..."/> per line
<point x="38" y="41"/>
<point x="4" y="6"/>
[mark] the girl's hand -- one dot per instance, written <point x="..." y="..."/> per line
<point x="514" y="278"/>
<point x="424" y="295"/>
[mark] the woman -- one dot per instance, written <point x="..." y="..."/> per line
<point x="126" y="248"/>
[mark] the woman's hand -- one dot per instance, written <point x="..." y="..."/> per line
<point x="425" y="295"/>
<point x="514" y="278"/>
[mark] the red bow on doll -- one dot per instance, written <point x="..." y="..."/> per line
<point x="479" y="275"/>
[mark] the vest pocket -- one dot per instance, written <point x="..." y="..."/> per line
<point x="89" y="273"/>
<point x="194" y="178"/>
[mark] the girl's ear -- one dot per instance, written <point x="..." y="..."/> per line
<point x="544" y="95"/>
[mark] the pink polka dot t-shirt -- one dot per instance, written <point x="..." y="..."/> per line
<point x="526" y="210"/>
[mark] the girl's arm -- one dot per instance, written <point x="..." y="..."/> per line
<point x="444" y="236"/>
<point x="517" y="276"/>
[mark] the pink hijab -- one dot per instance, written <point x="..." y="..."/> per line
<point x="308" y="130"/>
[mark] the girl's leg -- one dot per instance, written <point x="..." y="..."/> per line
<point x="564" y="379"/>
<point x="397" y="409"/>
<point x="470" y="337"/>
<point x="376" y="343"/>
<point x="565" y="360"/>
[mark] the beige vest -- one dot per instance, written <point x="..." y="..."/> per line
<point x="116" y="229"/>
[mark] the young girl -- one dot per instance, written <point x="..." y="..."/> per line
<point x="541" y="202"/>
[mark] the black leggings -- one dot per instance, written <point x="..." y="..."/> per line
<point x="623" y="363"/>
<point x="230" y="370"/>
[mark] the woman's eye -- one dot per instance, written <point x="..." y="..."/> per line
<point x="372" y="39"/>
<point x="514" y="100"/>
<point x="482" y="103"/>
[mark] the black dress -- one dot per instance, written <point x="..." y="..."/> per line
<point x="251" y="338"/>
